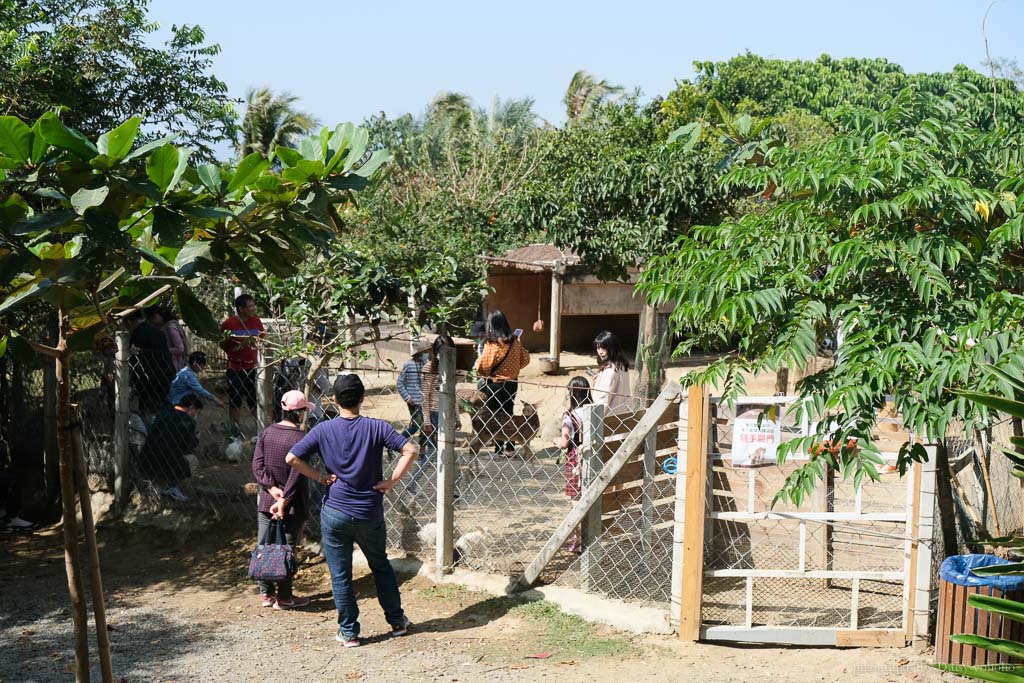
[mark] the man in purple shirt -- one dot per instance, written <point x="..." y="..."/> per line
<point x="352" y="448"/>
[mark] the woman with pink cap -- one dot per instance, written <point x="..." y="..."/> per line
<point x="279" y="482"/>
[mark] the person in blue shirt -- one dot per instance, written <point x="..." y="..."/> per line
<point x="187" y="381"/>
<point x="352" y="448"/>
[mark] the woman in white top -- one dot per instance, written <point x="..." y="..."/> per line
<point x="611" y="384"/>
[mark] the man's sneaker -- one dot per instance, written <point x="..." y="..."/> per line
<point x="291" y="603"/>
<point x="175" y="493"/>
<point x="267" y="600"/>
<point x="347" y="641"/>
<point x="18" y="524"/>
<point x="401" y="630"/>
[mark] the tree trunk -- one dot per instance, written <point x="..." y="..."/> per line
<point x="72" y="561"/>
<point x="650" y="370"/>
<point x="947" y="506"/>
<point x="782" y="381"/>
<point x="99" y="610"/>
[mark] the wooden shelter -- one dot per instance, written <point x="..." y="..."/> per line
<point x="543" y="282"/>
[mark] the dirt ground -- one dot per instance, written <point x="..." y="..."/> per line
<point x="181" y="609"/>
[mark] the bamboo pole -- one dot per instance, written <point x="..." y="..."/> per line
<point x="65" y="450"/>
<point x="99" y="611"/>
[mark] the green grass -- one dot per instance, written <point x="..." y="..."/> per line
<point x="567" y="635"/>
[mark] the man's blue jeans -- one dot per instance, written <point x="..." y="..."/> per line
<point x="339" y="533"/>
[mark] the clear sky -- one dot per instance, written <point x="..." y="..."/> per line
<point x="347" y="60"/>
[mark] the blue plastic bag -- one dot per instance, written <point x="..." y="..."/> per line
<point x="957" y="569"/>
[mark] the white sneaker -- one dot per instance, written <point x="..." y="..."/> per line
<point x="175" y="493"/>
<point x="18" y="523"/>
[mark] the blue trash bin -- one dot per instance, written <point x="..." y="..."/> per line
<point x="957" y="583"/>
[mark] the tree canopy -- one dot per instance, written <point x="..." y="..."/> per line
<point x="900" y="239"/>
<point x="93" y="63"/>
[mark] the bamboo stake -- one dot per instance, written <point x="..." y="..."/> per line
<point x="65" y="450"/>
<point x="99" y="611"/>
<point x="979" y="448"/>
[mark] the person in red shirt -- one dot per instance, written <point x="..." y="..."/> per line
<point x="245" y="330"/>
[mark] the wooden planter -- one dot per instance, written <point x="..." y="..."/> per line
<point x="956" y="616"/>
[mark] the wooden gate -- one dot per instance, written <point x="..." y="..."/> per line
<point x="841" y="570"/>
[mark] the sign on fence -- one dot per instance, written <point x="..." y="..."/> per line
<point x="755" y="437"/>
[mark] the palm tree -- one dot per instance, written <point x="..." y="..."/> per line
<point x="271" y="120"/>
<point x="586" y="94"/>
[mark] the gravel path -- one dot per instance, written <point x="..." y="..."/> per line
<point x="179" y="612"/>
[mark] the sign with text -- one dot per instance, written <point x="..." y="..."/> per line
<point x="756" y="435"/>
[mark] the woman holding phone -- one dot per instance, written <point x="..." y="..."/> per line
<point x="502" y="359"/>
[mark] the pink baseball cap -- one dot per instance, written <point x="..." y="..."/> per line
<point x="295" y="400"/>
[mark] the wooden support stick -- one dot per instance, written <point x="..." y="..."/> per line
<point x="695" y="508"/>
<point x="593" y="492"/>
<point x="99" y="611"/>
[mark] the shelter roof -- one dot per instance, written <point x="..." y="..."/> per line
<point x="537" y="258"/>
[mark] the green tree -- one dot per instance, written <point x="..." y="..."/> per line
<point x="88" y="228"/>
<point x="446" y="200"/>
<point x="271" y="120"/>
<point x="612" y="191"/>
<point x="750" y="84"/>
<point x="94" y="64"/>
<point x="899" y="239"/>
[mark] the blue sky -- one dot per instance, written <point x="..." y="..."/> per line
<point x="349" y="60"/>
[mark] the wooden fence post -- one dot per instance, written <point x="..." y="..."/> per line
<point x="592" y="438"/>
<point x="122" y="412"/>
<point x="447" y="419"/>
<point x="679" y="516"/>
<point x="694" y="512"/>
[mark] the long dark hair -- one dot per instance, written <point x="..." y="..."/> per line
<point x="579" y="392"/>
<point x="441" y="341"/>
<point x="498" y="328"/>
<point x="610" y="343"/>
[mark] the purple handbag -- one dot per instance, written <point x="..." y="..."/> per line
<point x="273" y="559"/>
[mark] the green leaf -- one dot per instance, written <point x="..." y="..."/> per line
<point x="1009" y="647"/>
<point x="39" y="146"/>
<point x="196" y="315"/>
<point x="376" y="160"/>
<point x="42" y="222"/>
<point x="150" y="146"/>
<point x="1011" y="609"/>
<point x="690" y="131"/>
<point x="85" y="199"/>
<point x="248" y="170"/>
<point x="287" y="155"/>
<point x="1003" y="405"/>
<point x="118" y="142"/>
<point x="981" y="674"/>
<point x="28" y="292"/>
<point x="357" y="149"/>
<point x="348" y="182"/>
<point x="3" y="346"/>
<point x="209" y="176"/>
<point x="59" y="135"/>
<point x="169" y="226"/>
<point x="15" y="139"/>
<point x="194" y="258"/>
<point x="999" y="570"/>
<point x="162" y="165"/>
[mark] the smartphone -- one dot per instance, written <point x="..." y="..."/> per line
<point x="518" y="332"/>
